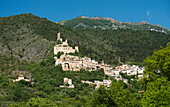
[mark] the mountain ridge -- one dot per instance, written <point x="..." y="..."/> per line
<point x="81" y="22"/>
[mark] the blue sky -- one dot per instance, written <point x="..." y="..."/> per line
<point x="152" y="11"/>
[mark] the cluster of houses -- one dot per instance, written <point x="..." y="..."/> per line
<point x="163" y="31"/>
<point x="106" y="83"/>
<point x="96" y="83"/>
<point x="75" y="63"/>
<point x="127" y="69"/>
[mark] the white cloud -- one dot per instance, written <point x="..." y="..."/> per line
<point x="147" y="13"/>
<point x="149" y="17"/>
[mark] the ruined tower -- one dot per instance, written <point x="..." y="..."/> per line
<point x="65" y="43"/>
<point x="58" y="37"/>
<point x="102" y="62"/>
<point x="76" y="48"/>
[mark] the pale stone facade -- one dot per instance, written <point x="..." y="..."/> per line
<point x="129" y="70"/>
<point x="64" y="47"/>
<point x="75" y="63"/>
<point x="20" y="77"/>
<point x="69" y="82"/>
<point x="106" y="83"/>
<point x="65" y="80"/>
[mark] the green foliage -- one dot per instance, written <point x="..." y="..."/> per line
<point x="9" y="64"/>
<point x="158" y="65"/>
<point x="145" y="27"/>
<point x="76" y="54"/>
<point x="15" y="92"/>
<point x="87" y="23"/>
<point x="102" y="23"/>
<point x="48" y="76"/>
<point x="35" y="102"/>
<point x="126" y="76"/>
<point x="115" y="96"/>
<point x="30" y="38"/>
<point x="47" y="79"/>
<point x="156" y="82"/>
<point x="124" y="85"/>
<point x="135" y="63"/>
<point x="59" y="54"/>
<point x="24" y="83"/>
<point x="157" y="93"/>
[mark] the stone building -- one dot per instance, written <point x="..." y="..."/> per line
<point x="106" y="83"/>
<point x="67" y="81"/>
<point x="64" y="47"/>
<point x="20" y="77"/>
<point x="75" y="63"/>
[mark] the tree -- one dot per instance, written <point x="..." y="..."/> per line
<point x="158" y="65"/>
<point x="116" y="96"/>
<point x="35" y="102"/>
<point x="157" y="94"/>
<point x="156" y="79"/>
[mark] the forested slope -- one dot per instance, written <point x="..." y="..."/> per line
<point x="31" y="38"/>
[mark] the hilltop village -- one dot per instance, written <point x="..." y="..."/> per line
<point x="71" y="62"/>
<point x="75" y="63"/>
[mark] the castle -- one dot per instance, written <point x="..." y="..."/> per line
<point x="64" y="47"/>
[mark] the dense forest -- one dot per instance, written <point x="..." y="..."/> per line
<point x="26" y="47"/>
<point x="47" y="79"/>
<point x="46" y="91"/>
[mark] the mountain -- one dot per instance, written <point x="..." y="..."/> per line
<point x="26" y="48"/>
<point x="109" y="23"/>
<point x="30" y="38"/>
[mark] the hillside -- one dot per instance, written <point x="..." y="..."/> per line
<point x="31" y="38"/>
<point x="26" y="48"/>
<point x="97" y="23"/>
